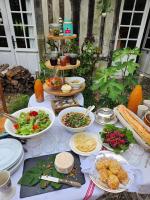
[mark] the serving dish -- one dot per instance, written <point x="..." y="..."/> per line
<point x="135" y="134"/>
<point x="100" y="184"/>
<point x="105" y="116"/>
<point x="147" y="118"/>
<point x="9" y="126"/>
<point x="88" y="153"/>
<point x="79" y="110"/>
<point x="75" y="82"/>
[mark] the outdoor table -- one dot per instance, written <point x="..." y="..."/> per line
<point x="57" y="140"/>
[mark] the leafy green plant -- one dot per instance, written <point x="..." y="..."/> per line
<point x="71" y="46"/>
<point x="115" y="91"/>
<point x="104" y="6"/>
<point x="19" y="102"/>
<point x="44" y="71"/>
<point x="88" y="58"/>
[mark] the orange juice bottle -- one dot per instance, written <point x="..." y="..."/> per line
<point x="38" y="90"/>
<point x="135" y="98"/>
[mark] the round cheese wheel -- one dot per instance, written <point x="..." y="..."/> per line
<point x="64" y="162"/>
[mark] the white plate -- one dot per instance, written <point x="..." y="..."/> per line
<point x="14" y="168"/>
<point x="103" y="186"/>
<point x="135" y="134"/>
<point x="97" y="149"/>
<point x="10" y="151"/>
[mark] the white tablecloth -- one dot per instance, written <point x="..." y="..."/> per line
<point x="57" y="140"/>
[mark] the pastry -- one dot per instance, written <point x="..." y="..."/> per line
<point x="66" y="88"/>
<point x="113" y="182"/>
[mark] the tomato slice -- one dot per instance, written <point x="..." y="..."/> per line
<point x="16" y="126"/>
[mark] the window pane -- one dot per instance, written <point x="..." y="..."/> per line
<point x="2" y="31"/>
<point x="16" y="17"/>
<point x="3" y="42"/>
<point x="19" y="31"/>
<point x="149" y="34"/>
<point x="123" y="33"/>
<point x="121" y="44"/>
<point x="137" y="18"/>
<point x="27" y="18"/>
<point x="21" y="43"/>
<point x="128" y="4"/>
<point x="26" y="5"/>
<point x="29" y="31"/>
<point x="131" y="44"/>
<point x="147" y="45"/>
<point x="14" y="5"/>
<point x="140" y="5"/>
<point x="126" y="17"/>
<point x="134" y="33"/>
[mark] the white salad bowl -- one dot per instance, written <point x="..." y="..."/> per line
<point x="75" y="82"/>
<point x="75" y="109"/>
<point x="9" y="126"/>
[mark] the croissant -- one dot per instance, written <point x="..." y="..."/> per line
<point x="135" y="124"/>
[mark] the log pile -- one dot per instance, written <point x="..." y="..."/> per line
<point x="16" y="80"/>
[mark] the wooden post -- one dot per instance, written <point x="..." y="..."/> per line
<point x="2" y="98"/>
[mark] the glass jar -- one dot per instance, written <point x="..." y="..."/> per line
<point x="63" y="60"/>
<point x="73" y="58"/>
<point x="67" y="57"/>
<point x="53" y="58"/>
<point x="55" y="29"/>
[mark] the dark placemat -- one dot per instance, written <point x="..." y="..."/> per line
<point x="26" y="191"/>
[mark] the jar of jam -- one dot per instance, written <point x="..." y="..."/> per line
<point x="63" y="60"/>
<point x="73" y="59"/>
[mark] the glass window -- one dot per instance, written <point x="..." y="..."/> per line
<point x="128" y="4"/>
<point x="131" y="44"/>
<point x="126" y="18"/>
<point x="16" y="17"/>
<point x="20" y="43"/>
<point x="123" y="33"/>
<point x="121" y="44"/>
<point x="2" y="31"/>
<point x="134" y="32"/>
<point x="19" y="31"/>
<point x="147" y="45"/>
<point x="140" y="5"/>
<point x="14" y="5"/>
<point x="137" y="18"/>
<point x="3" y="42"/>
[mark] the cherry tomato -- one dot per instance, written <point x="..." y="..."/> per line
<point x="16" y="126"/>
<point x="35" y="126"/>
<point x="33" y="113"/>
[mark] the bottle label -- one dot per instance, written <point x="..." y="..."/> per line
<point x="67" y="31"/>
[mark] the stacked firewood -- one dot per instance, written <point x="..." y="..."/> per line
<point x="16" y="80"/>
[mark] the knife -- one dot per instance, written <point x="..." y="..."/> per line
<point x="58" y="180"/>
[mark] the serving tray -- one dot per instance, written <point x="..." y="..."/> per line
<point x="26" y="191"/>
<point x="135" y="134"/>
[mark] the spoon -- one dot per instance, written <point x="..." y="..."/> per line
<point x="12" y="118"/>
<point x="88" y="110"/>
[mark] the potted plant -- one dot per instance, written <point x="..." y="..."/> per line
<point x="104" y="6"/>
<point x="115" y="91"/>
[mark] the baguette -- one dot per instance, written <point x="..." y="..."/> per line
<point x="135" y="124"/>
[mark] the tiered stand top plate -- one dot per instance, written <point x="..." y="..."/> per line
<point x="59" y="67"/>
<point x="60" y="93"/>
<point x="52" y="37"/>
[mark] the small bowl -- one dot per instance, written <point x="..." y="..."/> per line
<point x="147" y="118"/>
<point x="75" y="109"/>
<point x="75" y="82"/>
<point x="104" y="115"/>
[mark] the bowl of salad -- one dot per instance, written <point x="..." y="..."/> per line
<point x="31" y="122"/>
<point x="74" y="120"/>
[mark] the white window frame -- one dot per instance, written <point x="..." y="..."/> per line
<point x="141" y="27"/>
<point x="146" y="37"/>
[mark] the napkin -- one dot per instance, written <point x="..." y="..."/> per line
<point x="135" y="175"/>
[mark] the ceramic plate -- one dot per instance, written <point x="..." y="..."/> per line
<point x="10" y="151"/>
<point x="100" y="184"/>
<point x="97" y="149"/>
<point x="4" y="134"/>
<point x="14" y="168"/>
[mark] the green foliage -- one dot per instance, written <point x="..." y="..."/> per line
<point x="115" y="91"/>
<point x="44" y="72"/>
<point x="104" y="6"/>
<point x="88" y="58"/>
<point x="19" y="102"/>
<point x="71" y="46"/>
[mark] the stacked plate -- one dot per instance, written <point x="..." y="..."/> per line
<point x="11" y="155"/>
